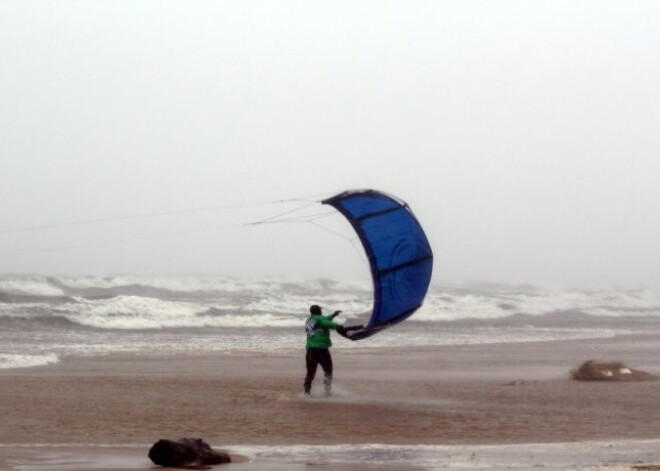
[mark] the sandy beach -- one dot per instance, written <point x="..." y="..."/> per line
<point x="110" y="409"/>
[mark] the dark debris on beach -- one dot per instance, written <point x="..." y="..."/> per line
<point x="591" y="370"/>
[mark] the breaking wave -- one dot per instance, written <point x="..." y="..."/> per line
<point x="29" y="286"/>
<point x="43" y="319"/>
<point x="8" y="360"/>
<point x="131" y="302"/>
<point x="135" y="312"/>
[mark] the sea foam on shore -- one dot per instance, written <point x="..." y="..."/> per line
<point x="615" y="455"/>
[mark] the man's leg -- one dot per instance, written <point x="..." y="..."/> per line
<point x="326" y="364"/>
<point x="312" y="362"/>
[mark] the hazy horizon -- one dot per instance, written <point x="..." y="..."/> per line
<point x="524" y="136"/>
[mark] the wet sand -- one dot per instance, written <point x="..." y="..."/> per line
<point x="459" y="395"/>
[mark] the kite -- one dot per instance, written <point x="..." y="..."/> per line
<point x="399" y="254"/>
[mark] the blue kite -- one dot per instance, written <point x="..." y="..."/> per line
<point x="399" y="254"/>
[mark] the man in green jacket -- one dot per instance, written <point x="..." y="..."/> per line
<point x="318" y="329"/>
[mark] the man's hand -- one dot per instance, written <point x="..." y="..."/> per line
<point x="334" y="314"/>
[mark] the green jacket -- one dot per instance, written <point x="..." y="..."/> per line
<point x="318" y="331"/>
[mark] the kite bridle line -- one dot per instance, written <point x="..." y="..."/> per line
<point x="312" y="219"/>
<point x="154" y="214"/>
<point x="309" y="201"/>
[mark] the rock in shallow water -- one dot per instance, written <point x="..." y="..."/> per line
<point x="186" y="452"/>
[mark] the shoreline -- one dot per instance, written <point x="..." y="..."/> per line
<point x="494" y="395"/>
<point x="611" y="455"/>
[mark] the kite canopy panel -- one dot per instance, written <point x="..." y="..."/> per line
<point x="399" y="255"/>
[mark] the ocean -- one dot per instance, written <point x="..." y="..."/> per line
<point x="44" y="319"/>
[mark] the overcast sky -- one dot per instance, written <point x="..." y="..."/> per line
<point x="524" y="134"/>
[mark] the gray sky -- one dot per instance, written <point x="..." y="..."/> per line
<point x="524" y="134"/>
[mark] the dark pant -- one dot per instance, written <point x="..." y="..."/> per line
<point x="314" y="357"/>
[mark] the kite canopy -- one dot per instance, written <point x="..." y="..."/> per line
<point x="399" y="255"/>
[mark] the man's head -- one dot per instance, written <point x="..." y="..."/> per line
<point x="315" y="310"/>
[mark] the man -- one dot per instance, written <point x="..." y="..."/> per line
<point x="318" y="346"/>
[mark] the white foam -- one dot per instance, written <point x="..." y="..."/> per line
<point x="130" y="312"/>
<point x="614" y="454"/>
<point x="299" y="304"/>
<point x="233" y="302"/>
<point x="22" y="309"/>
<point x="447" y="306"/>
<point x="179" y="284"/>
<point x="251" y="320"/>
<point x="30" y="287"/>
<point x="13" y="360"/>
<point x="607" y="455"/>
<point x="138" y="312"/>
<point x="215" y="284"/>
<point x="598" y="303"/>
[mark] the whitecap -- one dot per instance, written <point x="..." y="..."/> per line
<point x="14" y="360"/>
<point x="30" y="287"/>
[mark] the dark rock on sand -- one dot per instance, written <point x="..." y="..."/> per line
<point x="609" y="371"/>
<point x="186" y="452"/>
